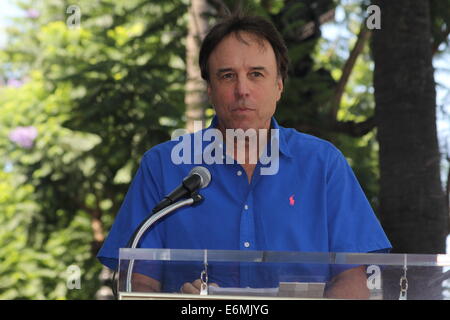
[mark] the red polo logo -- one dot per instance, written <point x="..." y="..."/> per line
<point x="291" y="200"/>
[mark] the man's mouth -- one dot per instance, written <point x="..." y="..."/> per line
<point x="242" y="109"/>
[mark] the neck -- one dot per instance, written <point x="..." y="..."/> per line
<point x="246" y="148"/>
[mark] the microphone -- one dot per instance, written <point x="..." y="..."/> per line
<point x="198" y="178"/>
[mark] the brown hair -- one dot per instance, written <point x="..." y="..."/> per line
<point x="236" y="23"/>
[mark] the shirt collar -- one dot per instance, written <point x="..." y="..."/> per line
<point x="274" y="125"/>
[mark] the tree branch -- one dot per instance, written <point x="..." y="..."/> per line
<point x="363" y="36"/>
<point x="351" y="128"/>
<point x="355" y="129"/>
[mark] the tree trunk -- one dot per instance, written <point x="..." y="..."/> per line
<point x="412" y="202"/>
<point x="196" y="98"/>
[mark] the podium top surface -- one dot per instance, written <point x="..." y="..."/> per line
<point x="387" y="259"/>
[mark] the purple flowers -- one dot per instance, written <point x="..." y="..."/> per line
<point x="23" y="136"/>
<point x="33" y="13"/>
<point x="14" y="83"/>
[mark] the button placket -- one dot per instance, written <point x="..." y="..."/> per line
<point x="247" y="235"/>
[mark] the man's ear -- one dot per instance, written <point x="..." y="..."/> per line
<point x="209" y="92"/>
<point x="208" y="89"/>
<point x="280" y="86"/>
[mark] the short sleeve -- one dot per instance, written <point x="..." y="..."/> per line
<point x="352" y="224"/>
<point x="142" y="196"/>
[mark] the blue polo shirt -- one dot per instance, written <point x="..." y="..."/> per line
<point x="312" y="204"/>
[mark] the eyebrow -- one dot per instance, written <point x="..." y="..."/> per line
<point x="222" y="70"/>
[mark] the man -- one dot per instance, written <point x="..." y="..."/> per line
<point x="312" y="202"/>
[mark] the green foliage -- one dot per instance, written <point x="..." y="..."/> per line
<point x="96" y="94"/>
<point x="39" y="271"/>
<point x="440" y="23"/>
<point x="357" y="105"/>
<point x="41" y="241"/>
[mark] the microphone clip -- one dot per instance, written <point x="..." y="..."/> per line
<point x="197" y="197"/>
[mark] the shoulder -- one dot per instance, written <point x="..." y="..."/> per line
<point x="163" y="150"/>
<point x="176" y="155"/>
<point x="301" y="144"/>
<point x="159" y="150"/>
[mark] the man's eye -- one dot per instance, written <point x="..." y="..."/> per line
<point x="227" y="76"/>
<point x="256" y="74"/>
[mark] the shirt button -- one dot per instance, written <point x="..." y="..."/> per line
<point x="246" y="207"/>
<point x="246" y="244"/>
<point x="239" y="173"/>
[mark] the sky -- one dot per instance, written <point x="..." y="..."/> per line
<point x="7" y="9"/>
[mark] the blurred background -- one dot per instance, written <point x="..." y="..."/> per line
<point x="87" y="86"/>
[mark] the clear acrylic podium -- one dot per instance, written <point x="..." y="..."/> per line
<point x="234" y="274"/>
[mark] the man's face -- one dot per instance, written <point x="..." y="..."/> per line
<point x="244" y="85"/>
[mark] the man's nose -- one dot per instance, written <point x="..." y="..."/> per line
<point x="242" y="88"/>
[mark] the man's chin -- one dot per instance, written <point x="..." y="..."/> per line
<point x="244" y="122"/>
<point x="245" y="126"/>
